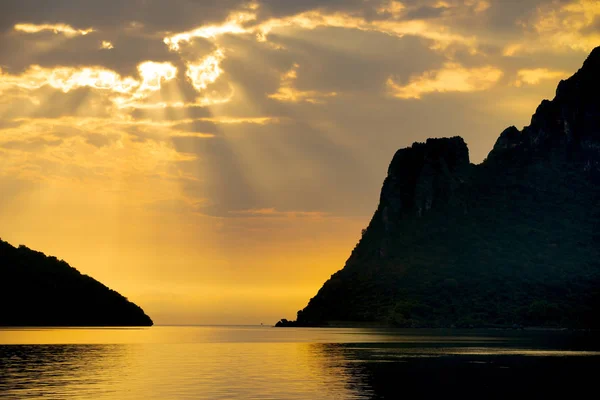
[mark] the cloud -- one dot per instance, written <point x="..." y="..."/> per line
<point x="392" y="8"/>
<point x="440" y="36"/>
<point x="233" y="25"/>
<point x="205" y="71"/>
<point x="99" y="140"/>
<point x="451" y="78"/>
<point x="153" y="15"/>
<point x="90" y="150"/>
<point x="559" y="26"/>
<point x="287" y="91"/>
<point x="154" y="73"/>
<point x="124" y="91"/>
<point x="31" y="144"/>
<point x="246" y="22"/>
<point x="536" y="75"/>
<point x="106" y="45"/>
<point x="64" y="29"/>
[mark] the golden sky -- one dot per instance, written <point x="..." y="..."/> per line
<point x="215" y="162"/>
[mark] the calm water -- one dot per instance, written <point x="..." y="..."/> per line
<point x="288" y="363"/>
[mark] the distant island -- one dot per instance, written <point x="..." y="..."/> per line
<point x="513" y="241"/>
<point x="36" y="290"/>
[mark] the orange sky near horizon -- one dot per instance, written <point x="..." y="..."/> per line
<point x="215" y="162"/>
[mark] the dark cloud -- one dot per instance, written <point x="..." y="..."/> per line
<point x="333" y="59"/>
<point x="424" y="12"/>
<point x="280" y="8"/>
<point x="20" y="50"/>
<point x="9" y="123"/>
<point x="198" y="127"/>
<point x="54" y="103"/>
<point x="31" y="144"/>
<point x="171" y="113"/>
<point x="105" y="15"/>
<point x="594" y="27"/>
<point x="99" y="140"/>
<point x="504" y="15"/>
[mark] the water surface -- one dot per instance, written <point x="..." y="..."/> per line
<point x="201" y="362"/>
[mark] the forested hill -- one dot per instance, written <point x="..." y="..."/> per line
<point x="36" y="290"/>
<point x="514" y="240"/>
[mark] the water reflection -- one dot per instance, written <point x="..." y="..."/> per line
<point x="255" y="363"/>
<point x="33" y="371"/>
<point x="392" y="371"/>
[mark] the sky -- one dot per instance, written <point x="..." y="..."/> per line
<point x="216" y="161"/>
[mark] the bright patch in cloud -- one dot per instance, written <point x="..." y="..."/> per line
<point x="536" y="75"/>
<point x="287" y="91"/>
<point x="64" y="29"/>
<point x="242" y="23"/>
<point x="394" y="8"/>
<point x="478" y="6"/>
<point x="233" y="25"/>
<point x="205" y="71"/>
<point x="68" y="78"/>
<point x="106" y="45"/>
<point x="154" y="73"/>
<point x="126" y="89"/>
<point x="451" y="78"/>
<point x="440" y="35"/>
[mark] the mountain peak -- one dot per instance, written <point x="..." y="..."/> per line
<point x="565" y="129"/>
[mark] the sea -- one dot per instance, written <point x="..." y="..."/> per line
<point x="262" y="362"/>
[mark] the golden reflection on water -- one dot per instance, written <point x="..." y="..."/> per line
<point x="244" y="362"/>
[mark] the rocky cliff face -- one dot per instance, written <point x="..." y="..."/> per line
<point x="422" y="177"/>
<point x="515" y="239"/>
<point x="566" y="128"/>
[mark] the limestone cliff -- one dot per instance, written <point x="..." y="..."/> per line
<point x="514" y="240"/>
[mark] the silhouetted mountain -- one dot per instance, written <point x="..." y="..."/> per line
<point x="36" y="290"/>
<point x="514" y="240"/>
